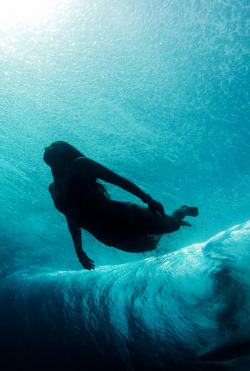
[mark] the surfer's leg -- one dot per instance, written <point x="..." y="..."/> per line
<point x="148" y="223"/>
<point x="185" y="211"/>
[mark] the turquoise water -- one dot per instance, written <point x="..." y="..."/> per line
<point x="158" y="92"/>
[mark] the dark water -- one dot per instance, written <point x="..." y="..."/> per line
<point x="158" y="92"/>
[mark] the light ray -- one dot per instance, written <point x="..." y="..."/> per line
<point x="14" y="12"/>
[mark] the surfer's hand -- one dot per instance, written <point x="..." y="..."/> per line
<point x="86" y="262"/>
<point x="155" y="206"/>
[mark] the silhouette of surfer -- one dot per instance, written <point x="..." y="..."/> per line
<point x="86" y="204"/>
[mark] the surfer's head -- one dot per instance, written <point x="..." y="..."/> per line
<point x="60" y="154"/>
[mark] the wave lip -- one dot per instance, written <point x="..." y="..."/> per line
<point x="176" y="311"/>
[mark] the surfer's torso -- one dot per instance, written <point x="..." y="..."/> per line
<point x="82" y="199"/>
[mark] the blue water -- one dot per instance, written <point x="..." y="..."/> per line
<point x="158" y="92"/>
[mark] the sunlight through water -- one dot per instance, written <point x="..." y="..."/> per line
<point x="33" y="12"/>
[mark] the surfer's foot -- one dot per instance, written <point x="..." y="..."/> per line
<point x="183" y="222"/>
<point x="190" y="211"/>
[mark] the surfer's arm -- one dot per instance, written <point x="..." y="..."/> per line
<point x="95" y="170"/>
<point x="76" y="234"/>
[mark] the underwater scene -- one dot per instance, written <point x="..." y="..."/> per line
<point x="158" y="92"/>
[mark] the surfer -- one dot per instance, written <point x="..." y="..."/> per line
<point x="84" y="201"/>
